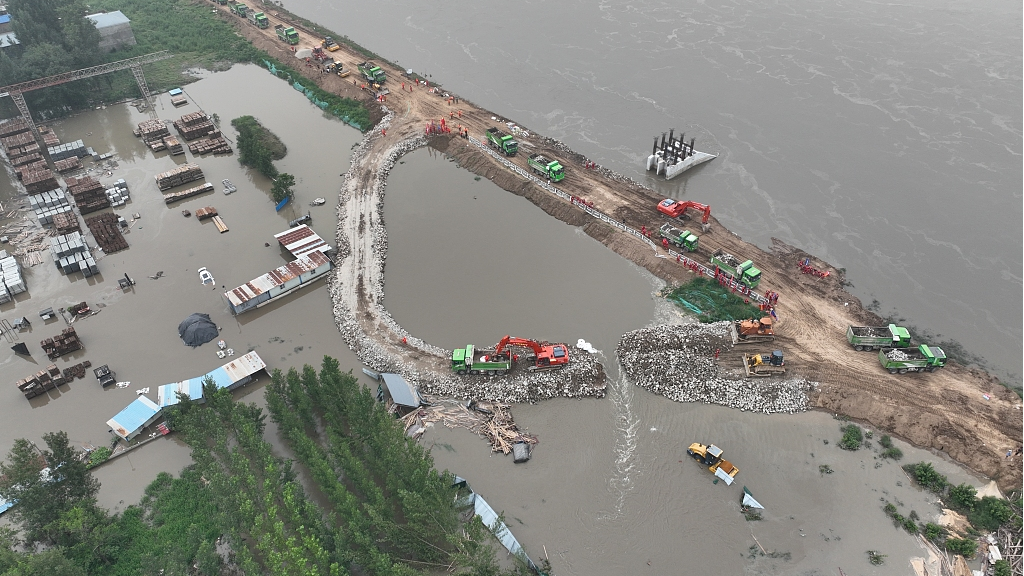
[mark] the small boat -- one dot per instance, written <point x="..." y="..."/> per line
<point x="318" y="202"/>
<point x="205" y="277"/>
<point x="228" y="186"/>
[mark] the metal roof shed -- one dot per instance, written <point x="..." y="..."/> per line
<point x="167" y="395"/>
<point x="136" y="416"/>
<point x="301" y="240"/>
<point x="403" y="393"/>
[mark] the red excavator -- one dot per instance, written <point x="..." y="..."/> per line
<point x="675" y="209"/>
<point x="546" y="356"/>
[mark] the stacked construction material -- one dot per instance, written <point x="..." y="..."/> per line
<point x="41" y="381"/>
<point x="39" y="181"/>
<point x="71" y="254"/>
<point x="71" y="149"/>
<point x="174" y="197"/>
<point x="19" y="140"/>
<point x="25" y="150"/>
<point x="48" y="205"/>
<point x="24" y="159"/>
<point x="173" y="145"/>
<point x="217" y="145"/>
<point x="49" y="137"/>
<point x="152" y="130"/>
<point x="12" y="127"/>
<point x="13" y="282"/>
<point x="204" y="213"/>
<point x="178" y="176"/>
<point x="65" y="342"/>
<point x="67" y="164"/>
<point x="66" y="222"/>
<point x="194" y="125"/>
<point x="88" y="193"/>
<point x="76" y="371"/>
<point x="31" y="168"/>
<point x="104" y="228"/>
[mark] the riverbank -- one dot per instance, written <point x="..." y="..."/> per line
<point x="968" y="415"/>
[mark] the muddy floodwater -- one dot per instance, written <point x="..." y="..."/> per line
<point x="609" y="490"/>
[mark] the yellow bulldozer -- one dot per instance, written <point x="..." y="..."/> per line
<point x="711" y="456"/>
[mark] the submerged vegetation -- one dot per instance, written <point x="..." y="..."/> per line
<point x="241" y="509"/>
<point x="258" y="147"/>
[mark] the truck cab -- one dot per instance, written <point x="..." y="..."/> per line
<point x="682" y="238"/>
<point x="750" y="276"/>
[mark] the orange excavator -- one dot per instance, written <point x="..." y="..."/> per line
<point x="545" y="356"/>
<point x="675" y="209"/>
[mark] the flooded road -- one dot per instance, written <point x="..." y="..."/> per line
<point x="610" y="487"/>
<point x="885" y="139"/>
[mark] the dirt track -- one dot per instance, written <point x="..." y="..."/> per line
<point x="945" y="410"/>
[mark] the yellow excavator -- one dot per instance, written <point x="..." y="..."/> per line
<point x="711" y="456"/>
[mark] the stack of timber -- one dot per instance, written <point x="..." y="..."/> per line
<point x="41" y="381"/>
<point x="76" y="371"/>
<point x="219" y="223"/>
<point x="32" y="148"/>
<point x="66" y="222"/>
<point x="12" y="127"/>
<point x="216" y="145"/>
<point x="179" y="100"/>
<point x="176" y="196"/>
<point x="88" y="193"/>
<point x="33" y="167"/>
<point x="152" y="130"/>
<point x="62" y="151"/>
<point x="49" y="204"/>
<point x="173" y="145"/>
<point x="178" y="176"/>
<point x="157" y="145"/>
<point x="107" y="233"/>
<point x="204" y="213"/>
<point x="67" y="164"/>
<point x="24" y="159"/>
<point x="40" y="181"/>
<point x="49" y="138"/>
<point x="19" y="140"/>
<point x="194" y="125"/>
<point x="64" y="343"/>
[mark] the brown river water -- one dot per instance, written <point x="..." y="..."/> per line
<point x="609" y="489"/>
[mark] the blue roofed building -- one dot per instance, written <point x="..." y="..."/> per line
<point x="167" y="395"/>
<point x="238" y="372"/>
<point x="132" y="420"/>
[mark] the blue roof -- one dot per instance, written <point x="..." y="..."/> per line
<point x="4" y="19"/>
<point x="167" y="395"/>
<point x="174" y="91"/>
<point x="133" y="418"/>
<point x="108" y="19"/>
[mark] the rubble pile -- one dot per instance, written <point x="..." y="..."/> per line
<point x="897" y="355"/>
<point x="678" y="362"/>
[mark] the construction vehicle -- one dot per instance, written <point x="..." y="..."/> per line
<point x="545" y="167"/>
<point x="753" y="331"/>
<point x="711" y="456"/>
<point x="329" y="44"/>
<point x="922" y="359"/>
<point x="676" y="209"/>
<point x="764" y="364"/>
<point x="469" y="360"/>
<point x="332" y="66"/>
<point x="319" y="55"/>
<point x="875" y="337"/>
<point x="372" y="73"/>
<point x="258" y="19"/>
<point x="545" y="356"/>
<point x="502" y="141"/>
<point x="239" y="9"/>
<point x="288" y="35"/>
<point x="743" y="272"/>
<point x="681" y="238"/>
<point x="104" y="376"/>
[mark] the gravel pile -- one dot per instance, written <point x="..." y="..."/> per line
<point x="677" y="361"/>
<point x="897" y="355"/>
<point x="584" y="377"/>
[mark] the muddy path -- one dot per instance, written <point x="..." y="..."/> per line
<point x="963" y="412"/>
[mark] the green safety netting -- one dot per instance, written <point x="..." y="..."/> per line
<point x="707" y="298"/>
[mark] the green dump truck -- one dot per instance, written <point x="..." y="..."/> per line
<point x="546" y="167"/>
<point x="469" y="360"/>
<point x="682" y="238"/>
<point x="372" y="73"/>
<point x="239" y="9"/>
<point x="875" y="337"/>
<point x="502" y="141"/>
<point x="289" y="35"/>
<point x="924" y="358"/>
<point x="743" y="272"/>
<point x="258" y="19"/>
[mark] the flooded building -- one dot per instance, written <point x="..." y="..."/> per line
<point x="115" y="30"/>
<point x="301" y="240"/>
<point x="238" y="372"/>
<point x="280" y="282"/>
<point x="130" y="422"/>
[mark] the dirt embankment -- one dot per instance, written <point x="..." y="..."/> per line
<point x="963" y="412"/>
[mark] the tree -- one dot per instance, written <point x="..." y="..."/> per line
<point x="963" y="496"/>
<point x="282" y="187"/>
<point x="48" y="503"/>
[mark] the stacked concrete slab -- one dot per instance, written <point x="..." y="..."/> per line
<point x="49" y="204"/>
<point x="180" y="175"/>
<point x="71" y="254"/>
<point x="74" y="149"/>
<point x="14" y="283"/>
<point x="214" y="145"/>
<point x="88" y="193"/>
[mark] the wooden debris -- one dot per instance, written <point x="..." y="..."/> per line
<point x="219" y="223"/>
<point x="204" y="213"/>
<point x="492" y="421"/>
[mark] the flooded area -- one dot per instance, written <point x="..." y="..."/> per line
<point x="609" y="490"/>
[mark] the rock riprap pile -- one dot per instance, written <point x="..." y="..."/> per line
<point x="678" y="362"/>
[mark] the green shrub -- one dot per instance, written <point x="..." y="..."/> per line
<point x="989" y="513"/>
<point x="825" y="469"/>
<point x="963" y="547"/>
<point x="933" y="532"/>
<point x="927" y="476"/>
<point x="892" y="453"/>
<point x="885" y="441"/>
<point x="852" y="437"/>
<point x="875" y="558"/>
<point x="909" y="525"/>
<point x="99" y="456"/>
<point x="963" y="497"/>
<point x="1002" y="568"/>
